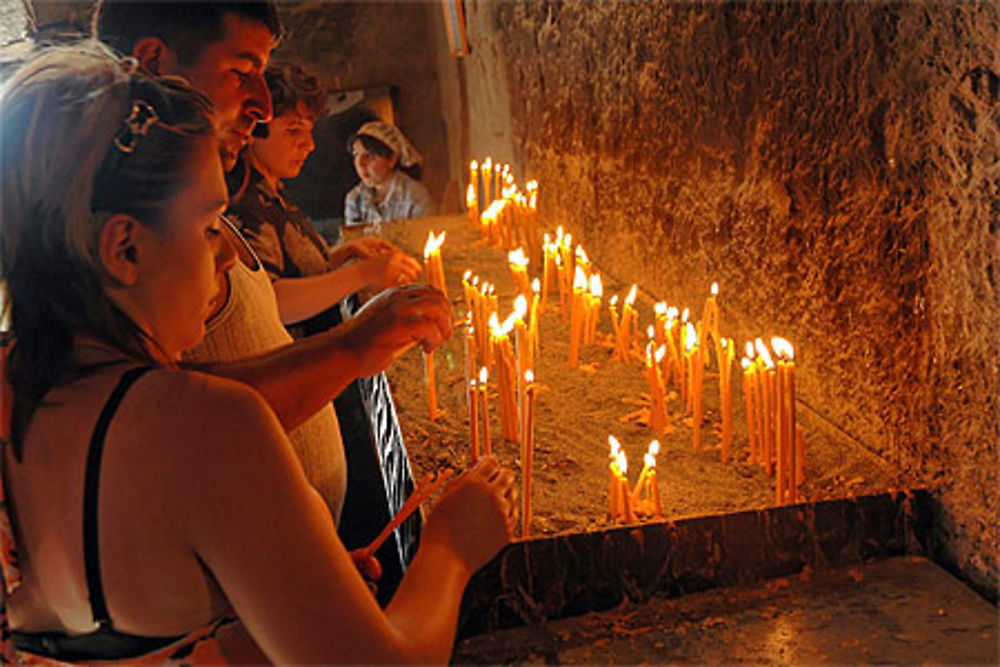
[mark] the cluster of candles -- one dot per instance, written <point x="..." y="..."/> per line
<point x="643" y="500"/>
<point x="677" y="353"/>
<point x="513" y="364"/>
<point x="506" y="216"/>
<point x="777" y="442"/>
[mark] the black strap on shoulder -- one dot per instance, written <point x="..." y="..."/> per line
<point x="91" y="486"/>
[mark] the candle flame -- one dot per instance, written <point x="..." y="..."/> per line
<point x="660" y="352"/>
<point x="581" y="254"/>
<point x="536" y="285"/>
<point x="473" y="165"/>
<point x="490" y="288"/>
<point x="649" y="460"/>
<point x="568" y="241"/>
<point x="559" y="234"/>
<point x="630" y="299"/>
<point x="690" y="337"/>
<point x="654" y="447"/>
<point x="650" y="332"/>
<point x="580" y="279"/>
<point x="494" y="322"/>
<point x="529" y="377"/>
<point x="751" y="353"/>
<point x="745" y="363"/>
<point x="546" y="240"/>
<point x="660" y="308"/>
<point x="596" y="286"/>
<point x="470" y="195"/>
<point x="764" y="353"/>
<point x="488" y="163"/>
<point x="615" y="446"/>
<point x="622" y="462"/>
<point x="672" y="312"/>
<point x="466" y="275"/>
<point x="614" y="301"/>
<point x="475" y="281"/>
<point x="520" y="306"/>
<point x="715" y="289"/>
<point x="433" y="243"/>
<point x="508" y="324"/>
<point x="517" y="258"/>
<point x="782" y="348"/>
<point x="531" y="186"/>
<point x="685" y="315"/>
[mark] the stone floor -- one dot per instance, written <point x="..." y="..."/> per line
<point x="903" y="610"/>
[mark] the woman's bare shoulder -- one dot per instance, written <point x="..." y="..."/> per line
<point x="191" y="407"/>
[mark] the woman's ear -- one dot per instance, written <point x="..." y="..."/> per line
<point x="118" y="247"/>
<point x="394" y="161"/>
<point x="155" y="56"/>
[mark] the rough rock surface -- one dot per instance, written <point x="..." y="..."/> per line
<point x="834" y="166"/>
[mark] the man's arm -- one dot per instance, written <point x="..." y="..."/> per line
<point x="303" y="376"/>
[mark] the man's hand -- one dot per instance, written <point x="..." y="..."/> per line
<point x="393" y="322"/>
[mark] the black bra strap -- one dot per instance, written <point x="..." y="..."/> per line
<point x="91" y="556"/>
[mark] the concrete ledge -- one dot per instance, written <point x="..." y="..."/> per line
<point x="545" y="579"/>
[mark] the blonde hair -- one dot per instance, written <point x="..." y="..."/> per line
<point x="73" y="152"/>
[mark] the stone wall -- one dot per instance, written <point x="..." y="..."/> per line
<point x="834" y="166"/>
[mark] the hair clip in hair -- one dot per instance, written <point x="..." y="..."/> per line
<point x="142" y="117"/>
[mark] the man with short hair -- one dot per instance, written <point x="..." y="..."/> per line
<point x="223" y="48"/>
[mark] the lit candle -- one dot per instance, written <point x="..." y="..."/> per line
<point x="431" y="385"/>
<point x="659" y="322"/>
<point x="472" y="205"/>
<point x="615" y="326"/>
<point x="625" y="336"/>
<point x="548" y="270"/>
<point x="474" y="181"/>
<point x="432" y="262"/>
<point x="576" y="317"/>
<point x="567" y="274"/>
<point x="473" y="401"/>
<point x="768" y="403"/>
<point x="658" y="417"/>
<point x="725" y="388"/>
<point x="614" y="486"/>
<point x="755" y="418"/>
<point x="528" y="449"/>
<point x="626" y="500"/>
<point x="787" y="447"/>
<point x="484" y="398"/>
<point x="596" y="294"/>
<point x="652" y="482"/>
<point x="486" y="191"/>
<point x="748" y="388"/>
<point x="696" y="370"/>
<point x="469" y="350"/>
<point x="710" y="320"/>
<point x="646" y="494"/>
<point x="533" y="326"/>
<point x="517" y="262"/>
<point x="522" y="346"/>
<point x="467" y="292"/>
